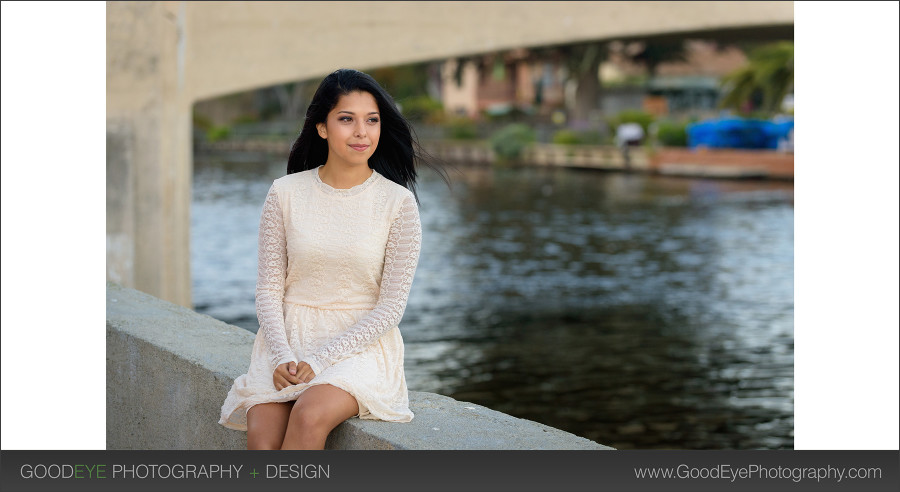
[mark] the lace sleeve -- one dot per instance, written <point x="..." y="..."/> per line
<point x="272" y="266"/>
<point x="401" y="256"/>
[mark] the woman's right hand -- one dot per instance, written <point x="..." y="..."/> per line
<point x="285" y="375"/>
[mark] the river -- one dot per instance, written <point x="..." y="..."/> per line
<point x="638" y="311"/>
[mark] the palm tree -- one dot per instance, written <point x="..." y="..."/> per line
<point x="768" y="75"/>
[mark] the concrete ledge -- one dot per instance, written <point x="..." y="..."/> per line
<point x="168" y="370"/>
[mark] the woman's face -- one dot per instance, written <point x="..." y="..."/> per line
<point x="352" y="129"/>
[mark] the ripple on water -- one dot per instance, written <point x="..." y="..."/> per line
<point x="637" y="311"/>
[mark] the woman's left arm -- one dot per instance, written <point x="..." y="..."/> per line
<point x="401" y="256"/>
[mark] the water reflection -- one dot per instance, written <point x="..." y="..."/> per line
<point x="637" y="311"/>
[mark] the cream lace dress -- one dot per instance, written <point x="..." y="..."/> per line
<point x="335" y="269"/>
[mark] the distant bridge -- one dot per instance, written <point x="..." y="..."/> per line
<point x="164" y="56"/>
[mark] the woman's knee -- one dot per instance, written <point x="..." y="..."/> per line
<point x="310" y="417"/>
<point x="259" y="442"/>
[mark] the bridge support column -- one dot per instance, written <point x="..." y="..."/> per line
<point x="148" y="145"/>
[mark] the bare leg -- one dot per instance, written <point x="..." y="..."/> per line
<point x="266" y="424"/>
<point x="318" y="410"/>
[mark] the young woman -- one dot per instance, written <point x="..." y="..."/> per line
<point x="339" y="241"/>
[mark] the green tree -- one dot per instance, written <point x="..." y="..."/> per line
<point x="654" y="53"/>
<point x="768" y="76"/>
<point x="403" y="81"/>
<point x="583" y="64"/>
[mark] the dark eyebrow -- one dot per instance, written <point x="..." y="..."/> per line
<point x="350" y="112"/>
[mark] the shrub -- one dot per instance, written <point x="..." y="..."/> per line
<point x="216" y="133"/>
<point x="572" y="137"/>
<point x="566" y="137"/>
<point x="591" y="137"/>
<point x="462" y="129"/>
<point x="672" y="134"/>
<point x="422" y="108"/>
<point x="510" y="141"/>
<point x="632" y="116"/>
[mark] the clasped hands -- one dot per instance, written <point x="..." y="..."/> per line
<point x="291" y="373"/>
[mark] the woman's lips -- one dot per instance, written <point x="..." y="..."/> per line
<point x="359" y="148"/>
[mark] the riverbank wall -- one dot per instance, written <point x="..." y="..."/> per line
<point x="669" y="161"/>
<point x="169" y="368"/>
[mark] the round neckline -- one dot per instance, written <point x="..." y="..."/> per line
<point x="327" y="188"/>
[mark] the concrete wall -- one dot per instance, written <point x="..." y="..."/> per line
<point x="148" y="149"/>
<point x="724" y="163"/>
<point x="168" y="370"/>
<point x="164" y="56"/>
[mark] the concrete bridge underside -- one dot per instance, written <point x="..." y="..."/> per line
<point x="164" y="56"/>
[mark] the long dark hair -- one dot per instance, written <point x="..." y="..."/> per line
<point x="398" y="152"/>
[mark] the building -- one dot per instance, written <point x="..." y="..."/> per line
<point x="537" y="82"/>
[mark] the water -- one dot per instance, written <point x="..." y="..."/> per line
<point x="637" y="311"/>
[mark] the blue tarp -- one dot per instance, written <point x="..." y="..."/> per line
<point x="738" y="133"/>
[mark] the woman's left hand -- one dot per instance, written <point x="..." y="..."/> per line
<point x="305" y="373"/>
